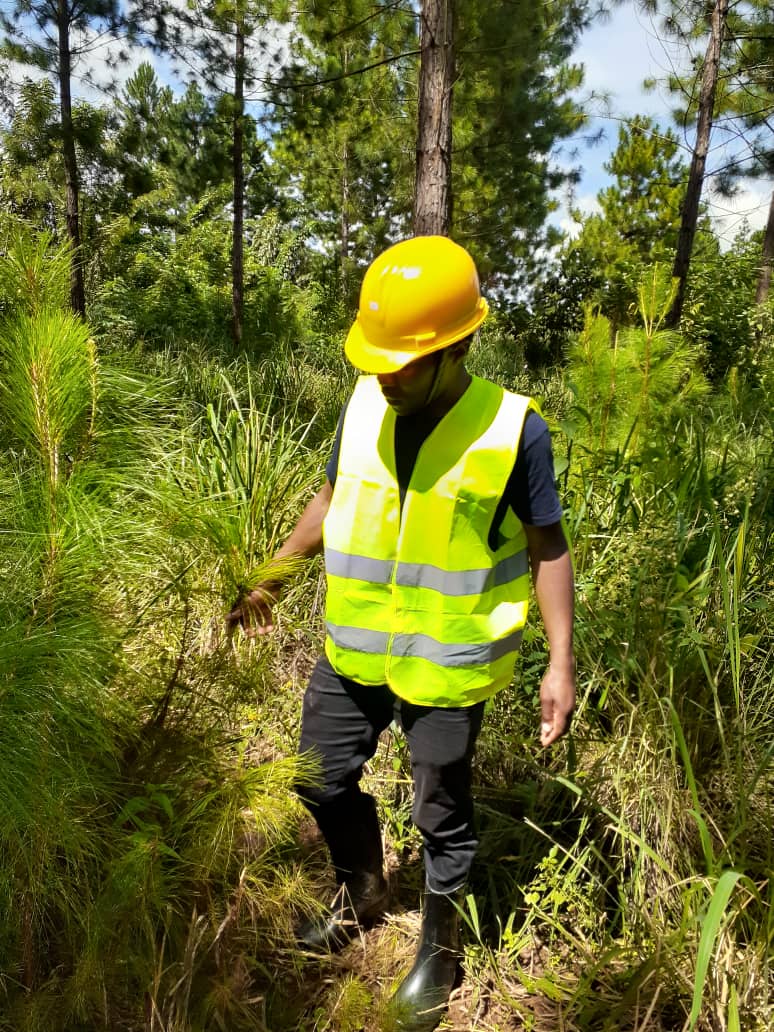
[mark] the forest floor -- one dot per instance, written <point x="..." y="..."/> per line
<point x="485" y="999"/>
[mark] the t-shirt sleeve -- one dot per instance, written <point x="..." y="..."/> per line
<point x="332" y="466"/>
<point x="531" y="490"/>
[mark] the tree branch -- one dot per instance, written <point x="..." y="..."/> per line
<point x="348" y="75"/>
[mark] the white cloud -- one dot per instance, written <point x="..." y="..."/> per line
<point x="98" y="65"/>
<point x="266" y="50"/>
<point x="619" y="54"/>
<point x="17" y="73"/>
<point x="104" y="62"/>
<point x="749" y="205"/>
<point x="586" y="204"/>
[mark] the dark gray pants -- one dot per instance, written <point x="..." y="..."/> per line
<point x="341" y="724"/>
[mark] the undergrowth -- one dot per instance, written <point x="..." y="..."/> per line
<point x="152" y="854"/>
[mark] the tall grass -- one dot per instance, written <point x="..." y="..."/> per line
<point x="649" y="903"/>
<point x="149" y="847"/>
<point x="138" y="834"/>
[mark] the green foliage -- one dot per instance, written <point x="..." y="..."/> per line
<point x="177" y="290"/>
<point x="169" y="289"/>
<point x="148" y="856"/>
<point x="649" y="184"/>
<point x="343" y="138"/>
<point x="30" y="174"/>
<point x="179" y="144"/>
<point x="32" y="179"/>
<point x="48" y="387"/>
<point x="126" y="797"/>
<point x="676" y="612"/>
<point x="347" y="1007"/>
<point x="633" y="383"/>
<point x="557" y="307"/>
<point x="718" y="310"/>
<point x="243" y="479"/>
<point x="710" y="928"/>
<point x="138" y="803"/>
<point x="33" y="273"/>
<point x="638" y="220"/>
<point x="60" y="720"/>
<point x="497" y="353"/>
<point x="651" y="878"/>
<point x="744" y="97"/>
<point x="512" y="105"/>
<point x="351" y="90"/>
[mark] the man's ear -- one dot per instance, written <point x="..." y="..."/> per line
<point x="460" y="349"/>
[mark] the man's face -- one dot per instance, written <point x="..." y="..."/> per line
<point x="408" y="390"/>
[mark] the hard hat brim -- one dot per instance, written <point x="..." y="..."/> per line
<point x="374" y="358"/>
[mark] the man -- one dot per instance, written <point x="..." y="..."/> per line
<point x="438" y="501"/>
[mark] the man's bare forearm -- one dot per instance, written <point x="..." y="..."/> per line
<point x="551" y="564"/>
<point x="306" y="538"/>
<point x="552" y="576"/>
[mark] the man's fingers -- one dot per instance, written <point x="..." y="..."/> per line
<point x="251" y="618"/>
<point x="551" y="730"/>
<point x="557" y="701"/>
<point x="234" y="619"/>
<point x="253" y="613"/>
<point x="547" y="717"/>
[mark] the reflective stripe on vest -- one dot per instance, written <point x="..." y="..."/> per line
<point x="423" y="647"/>
<point x="416" y="598"/>
<point x="417" y="575"/>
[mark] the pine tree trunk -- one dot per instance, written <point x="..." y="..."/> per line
<point x="690" y="212"/>
<point x="77" y="293"/>
<point x="432" y="190"/>
<point x="764" y="279"/>
<point x="344" y="219"/>
<point x="344" y="247"/>
<point x="237" y="244"/>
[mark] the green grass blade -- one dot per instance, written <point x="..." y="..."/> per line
<point x="709" y="933"/>
<point x="706" y="840"/>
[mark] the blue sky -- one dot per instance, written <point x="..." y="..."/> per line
<point x="618" y="56"/>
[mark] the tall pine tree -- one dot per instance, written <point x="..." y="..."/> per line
<point x="228" y="45"/>
<point x="344" y="121"/>
<point x="639" y="217"/>
<point x="513" y="106"/>
<point x="348" y="106"/>
<point x="55" y="36"/>
<point x="729" y="92"/>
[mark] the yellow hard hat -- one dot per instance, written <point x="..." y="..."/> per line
<point x="417" y="297"/>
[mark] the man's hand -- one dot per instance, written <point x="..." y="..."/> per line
<point x="253" y="612"/>
<point x="557" y="701"/>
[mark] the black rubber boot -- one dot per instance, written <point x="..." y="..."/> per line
<point x="423" y="995"/>
<point x="350" y="827"/>
<point x="357" y="904"/>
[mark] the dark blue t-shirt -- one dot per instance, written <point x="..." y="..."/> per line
<point x="531" y="489"/>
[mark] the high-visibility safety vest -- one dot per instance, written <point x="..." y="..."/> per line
<point x="416" y="598"/>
